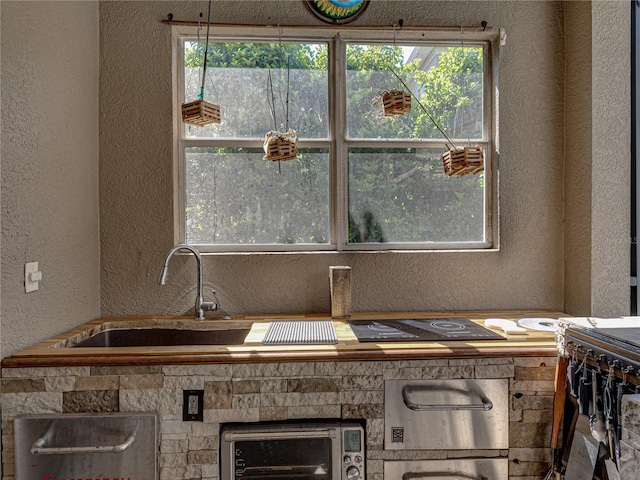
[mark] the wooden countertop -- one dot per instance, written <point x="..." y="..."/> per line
<point x="56" y="351"/>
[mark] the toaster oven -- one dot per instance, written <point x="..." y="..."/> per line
<point x="300" y="451"/>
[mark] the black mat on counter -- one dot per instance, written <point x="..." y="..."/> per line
<point x="421" y="329"/>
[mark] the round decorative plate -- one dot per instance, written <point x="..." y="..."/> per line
<point x="337" y="12"/>
<point x="541" y="324"/>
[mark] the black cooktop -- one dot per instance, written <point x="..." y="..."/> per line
<point x="420" y="329"/>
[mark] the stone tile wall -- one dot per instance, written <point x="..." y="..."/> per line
<point x="277" y="391"/>
<point x="630" y="441"/>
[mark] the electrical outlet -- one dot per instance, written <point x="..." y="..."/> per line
<point x="193" y="405"/>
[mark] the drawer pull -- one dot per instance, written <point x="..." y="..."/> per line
<point x="454" y="476"/>
<point x="38" y="447"/>
<point x="408" y="389"/>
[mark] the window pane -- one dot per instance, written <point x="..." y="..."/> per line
<point x="233" y="196"/>
<point x="402" y="195"/>
<point x="237" y="80"/>
<point x="446" y="80"/>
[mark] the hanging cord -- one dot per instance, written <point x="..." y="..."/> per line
<point x="452" y="144"/>
<point x="286" y="109"/>
<point x="271" y="100"/>
<point x="206" y="51"/>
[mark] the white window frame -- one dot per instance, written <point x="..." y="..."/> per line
<point x="337" y="142"/>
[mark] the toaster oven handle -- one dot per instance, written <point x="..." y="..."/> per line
<point x="418" y="407"/>
<point x="314" y="433"/>
<point x="412" y="475"/>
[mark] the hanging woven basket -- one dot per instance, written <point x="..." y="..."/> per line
<point x="200" y="113"/>
<point x="280" y="146"/>
<point x="461" y="161"/>
<point x="394" y="103"/>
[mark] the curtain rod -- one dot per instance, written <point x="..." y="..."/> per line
<point x="481" y="28"/>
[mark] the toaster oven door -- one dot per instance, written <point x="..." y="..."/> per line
<point x="281" y="455"/>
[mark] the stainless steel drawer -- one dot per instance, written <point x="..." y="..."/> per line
<point x="450" y="469"/>
<point x="104" y="446"/>
<point x="446" y="414"/>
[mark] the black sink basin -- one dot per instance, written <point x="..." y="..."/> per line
<point x="164" y="337"/>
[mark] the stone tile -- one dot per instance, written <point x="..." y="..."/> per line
<point x="202" y="457"/>
<point x="535" y="362"/>
<point x="348" y="368"/>
<point x="404" y="373"/>
<point x="217" y="395"/>
<point x="461" y="371"/>
<point x="201" y="429"/>
<point x="91" y="401"/>
<point x="363" y="411"/>
<point x="362" y="382"/>
<point x="105" y="382"/>
<point x="184" y="382"/>
<point x="204" y="443"/>
<point x="273" y="413"/>
<point x="60" y="384"/>
<point x="260" y="370"/>
<point x="537" y="416"/>
<point x="532" y="402"/>
<point x="362" y="397"/>
<point x="298" y="399"/>
<point x="306" y="385"/>
<point x="250" y="400"/>
<point x="314" y="411"/>
<point x="546" y="374"/>
<point x="130" y="382"/>
<point x="375" y="431"/>
<point x="12" y="404"/>
<point x="494" y="371"/>
<point x="629" y="461"/>
<point x="127" y="370"/>
<point x="174" y="446"/>
<point x="168" y="460"/>
<point x="531" y="386"/>
<point x="631" y="420"/>
<point x="22" y="385"/>
<point x="245" y="386"/>
<point x="220" y="371"/>
<point x="164" y="401"/>
<point x="231" y="415"/>
<point x="45" y="372"/>
<point x="175" y="426"/>
<point x="181" y="473"/>
<point x="529" y="435"/>
<point x="532" y="469"/>
<point x="273" y="385"/>
<point x="530" y="454"/>
<point x="479" y="361"/>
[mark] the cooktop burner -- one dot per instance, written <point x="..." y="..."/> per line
<point x="423" y="329"/>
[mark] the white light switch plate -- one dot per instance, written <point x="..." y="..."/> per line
<point x="32" y="277"/>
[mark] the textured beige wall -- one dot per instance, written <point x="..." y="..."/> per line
<point x="597" y="167"/>
<point x="136" y="176"/>
<point x="49" y="178"/>
<point x="49" y="168"/>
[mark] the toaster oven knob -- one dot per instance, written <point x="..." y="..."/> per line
<point x="353" y="473"/>
<point x="346" y="459"/>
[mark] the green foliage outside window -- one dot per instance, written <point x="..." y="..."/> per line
<point x="395" y="194"/>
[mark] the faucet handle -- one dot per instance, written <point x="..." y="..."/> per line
<point x="211" y="306"/>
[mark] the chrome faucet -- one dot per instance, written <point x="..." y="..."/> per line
<point x="201" y="305"/>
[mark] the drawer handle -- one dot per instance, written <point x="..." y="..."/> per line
<point x="461" y="476"/>
<point x="38" y="447"/>
<point x="408" y="389"/>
